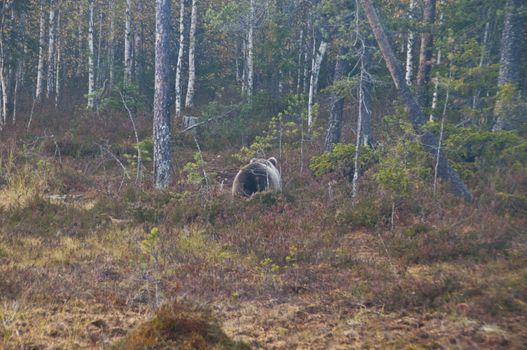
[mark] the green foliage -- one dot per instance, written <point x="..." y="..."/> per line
<point x="401" y="165"/>
<point x="342" y="160"/>
<point x="111" y="99"/>
<point x="474" y="150"/>
<point x="283" y="130"/>
<point x="150" y="245"/>
<point x="146" y="148"/>
<point x="367" y="213"/>
<point x="195" y="171"/>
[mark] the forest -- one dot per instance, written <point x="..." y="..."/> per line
<point x="263" y="174"/>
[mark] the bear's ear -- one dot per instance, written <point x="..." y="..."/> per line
<point x="273" y="161"/>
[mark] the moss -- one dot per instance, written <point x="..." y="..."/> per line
<point x="179" y="326"/>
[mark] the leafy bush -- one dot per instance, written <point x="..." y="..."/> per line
<point x="341" y="159"/>
<point x="479" y="149"/>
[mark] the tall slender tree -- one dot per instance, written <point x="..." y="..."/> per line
<point x="189" y="100"/>
<point x="179" y="65"/>
<point x="425" y="53"/>
<point x="41" y="46"/>
<point x="162" y="152"/>
<point x="91" y="56"/>
<point x="410" y="44"/>
<point x="337" y="102"/>
<point x="51" y="49"/>
<point x="510" y="58"/>
<point x="415" y="113"/>
<point x="128" y="43"/>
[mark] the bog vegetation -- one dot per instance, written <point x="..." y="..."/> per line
<point x="400" y="133"/>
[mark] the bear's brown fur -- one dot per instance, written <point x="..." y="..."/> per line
<point x="259" y="175"/>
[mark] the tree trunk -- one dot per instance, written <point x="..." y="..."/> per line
<point x="415" y="113"/>
<point x="358" y="141"/>
<point x="162" y="151"/>
<point x="3" y="79"/>
<point x="313" y="84"/>
<point x="111" y="45"/>
<point x="410" y="45"/>
<point x="189" y="100"/>
<point x="510" y="57"/>
<point x="98" y="70"/>
<point x="58" y="61"/>
<point x="51" y="49"/>
<point x="41" y="45"/>
<point x="425" y="55"/>
<point x="366" y="138"/>
<point x="91" y="58"/>
<point x="250" y="52"/>
<point x="435" y="94"/>
<point x="482" y="59"/>
<point x="128" y="43"/>
<point x="138" y="57"/>
<point x="80" y="37"/>
<point x="300" y="55"/>
<point x="337" y="103"/>
<point x="181" y="51"/>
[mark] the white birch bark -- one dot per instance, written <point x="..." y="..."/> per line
<point x="410" y="45"/>
<point x="128" y="43"/>
<point x="58" y="62"/>
<point x="244" y="67"/>
<point x="3" y="85"/>
<point x="51" y="49"/>
<point x="435" y="94"/>
<point x="189" y="100"/>
<point x="313" y="84"/>
<point x="358" y="143"/>
<point x="180" y="57"/>
<point x="250" y="52"/>
<point x="3" y="78"/>
<point x="111" y="45"/>
<point x="91" y="58"/>
<point x="98" y="70"/>
<point x="41" y="45"/>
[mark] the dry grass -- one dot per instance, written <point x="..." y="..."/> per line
<point x="302" y="269"/>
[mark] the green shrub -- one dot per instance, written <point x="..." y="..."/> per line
<point x="341" y="159"/>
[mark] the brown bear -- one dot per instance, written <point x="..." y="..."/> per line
<point x="259" y="175"/>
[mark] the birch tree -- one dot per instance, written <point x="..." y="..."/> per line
<point x="415" y="114"/>
<point x="111" y="45"/>
<point x="128" y="43"/>
<point x="51" y="49"/>
<point x="410" y="44"/>
<point x="58" y="61"/>
<point x="39" y="91"/>
<point x="181" y="51"/>
<point x="250" y="51"/>
<point x="189" y="100"/>
<point x="313" y="83"/>
<point x="91" y="57"/>
<point x="425" y="53"/>
<point x="162" y="152"/>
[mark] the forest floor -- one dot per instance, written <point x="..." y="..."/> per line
<point x="86" y="256"/>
